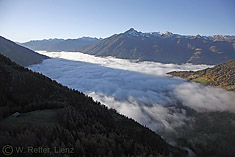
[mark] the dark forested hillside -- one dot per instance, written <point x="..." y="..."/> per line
<point x="54" y="116"/>
<point x="165" y="48"/>
<point x="222" y="75"/>
<point x="208" y="134"/>
<point x="19" y="54"/>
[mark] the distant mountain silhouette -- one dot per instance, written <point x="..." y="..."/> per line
<point x="60" y="44"/>
<point x="21" y="55"/>
<point x="165" y="47"/>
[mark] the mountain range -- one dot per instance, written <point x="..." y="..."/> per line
<point x="21" y="55"/>
<point x="154" y="46"/>
<point x="57" y="45"/>
<point x="165" y="47"/>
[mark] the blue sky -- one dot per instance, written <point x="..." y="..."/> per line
<point x="24" y="20"/>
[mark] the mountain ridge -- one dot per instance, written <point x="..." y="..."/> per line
<point x="19" y="54"/>
<point x="165" y="47"/>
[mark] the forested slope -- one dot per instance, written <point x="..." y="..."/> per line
<point x="222" y="75"/>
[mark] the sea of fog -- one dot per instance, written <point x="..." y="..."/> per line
<point x="140" y="90"/>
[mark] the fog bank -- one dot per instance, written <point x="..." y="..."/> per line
<point x="140" y="90"/>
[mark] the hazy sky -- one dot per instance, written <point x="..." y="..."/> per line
<point x="23" y="20"/>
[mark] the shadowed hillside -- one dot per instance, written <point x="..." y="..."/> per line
<point x="19" y="54"/>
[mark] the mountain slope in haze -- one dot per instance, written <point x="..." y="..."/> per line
<point x="222" y="75"/>
<point x="165" y="48"/>
<point x="208" y="134"/>
<point x="53" y="115"/>
<point x="19" y="54"/>
<point x="58" y="45"/>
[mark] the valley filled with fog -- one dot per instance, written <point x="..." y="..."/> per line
<point x="140" y="90"/>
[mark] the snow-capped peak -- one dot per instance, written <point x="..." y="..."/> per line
<point x="167" y="33"/>
<point x="132" y="32"/>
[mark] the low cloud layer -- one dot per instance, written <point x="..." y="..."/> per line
<point x="203" y="99"/>
<point x="123" y="85"/>
<point x="141" y="91"/>
<point x="155" y="116"/>
<point x="152" y="68"/>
